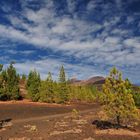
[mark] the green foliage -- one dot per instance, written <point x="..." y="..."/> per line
<point x="23" y="77"/>
<point x="1" y="82"/>
<point x="62" y="92"/>
<point x="47" y="90"/>
<point x="9" y="84"/>
<point x="136" y="95"/>
<point x="117" y="98"/>
<point x="62" y="77"/>
<point x="83" y="93"/>
<point x="63" y="88"/>
<point x="43" y="91"/>
<point x="33" y="85"/>
<point x="1" y="66"/>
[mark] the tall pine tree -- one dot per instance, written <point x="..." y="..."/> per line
<point x="9" y="84"/>
<point x="47" y="93"/>
<point x="33" y="85"/>
<point x="62" y="77"/>
<point x="12" y="82"/>
<point x="1" y="81"/>
<point x="63" y="88"/>
<point x="118" y="101"/>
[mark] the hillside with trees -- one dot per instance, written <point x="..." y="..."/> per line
<point x="62" y="90"/>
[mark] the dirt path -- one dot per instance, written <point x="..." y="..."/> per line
<point x="29" y="110"/>
<point x="52" y="116"/>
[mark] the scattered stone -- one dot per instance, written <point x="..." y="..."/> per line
<point x="61" y="124"/>
<point x="46" y="120"/>
<point x="116" y="132"/>
<point x="80" y="122"/>
<point x="66" y="117"/>
<point x="74" y="131"/>
<point x="90" y="138"/>
<point x="31" y="128"/>
<point x="2" y="129"/>
<point x="7" y="124"/>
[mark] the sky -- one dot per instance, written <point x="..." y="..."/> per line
<point x="88" y="37"/>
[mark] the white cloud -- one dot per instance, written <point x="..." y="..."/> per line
<point x="132" y="42"/>
<point x="53" y="65"/>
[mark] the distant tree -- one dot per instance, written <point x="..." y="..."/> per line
<point x="1" y="81"/>
<point x="1" y="66"/>
<point x="83" y="93"/>
<point x="136" y="95"/>
<point x="49" y="78"/>
<point x="9" y="84"/>
<point x="47" y="93"/>
<point x="23" y="77"/>
<point x="62" y="77"/>
<point x="33" y="85"/>
<point x="118" y="101"/>
<point x="12" y="82"/>
<point x="63" y="88"/>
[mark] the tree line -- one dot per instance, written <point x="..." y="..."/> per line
<point x="56" y="92"/>
<point x="46" y="90"/>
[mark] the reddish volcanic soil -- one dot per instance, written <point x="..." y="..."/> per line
<point x="24" y="120"/>
<point x="26" y="109"/>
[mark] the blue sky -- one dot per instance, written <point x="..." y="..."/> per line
<point x="87" y="36"/>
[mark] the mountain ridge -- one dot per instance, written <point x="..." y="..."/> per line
<point x="89" y="81"/>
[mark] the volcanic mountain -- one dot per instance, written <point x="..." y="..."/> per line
<point x="91" y="81"/>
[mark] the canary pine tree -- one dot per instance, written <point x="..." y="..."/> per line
<point x="33" y="85"/>
<point x="9" y="83"/>
<point x="46" y="91"/>
<point x="62" y="77"/>
<point x="12" y="83"/>
<point x="63" y="88"/>
<point x="1" y="81"/>
<point x="118" y="101"/>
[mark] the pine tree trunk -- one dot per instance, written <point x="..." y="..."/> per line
<point x="118" y="120"/>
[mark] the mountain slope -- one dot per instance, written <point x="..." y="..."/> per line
<point x="91" y="81"/>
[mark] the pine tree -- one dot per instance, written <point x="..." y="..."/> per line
<point x="23" y="77"/>
<point x="47" y="90"/>
<point x="1" y="66"/>
<point x="9" y="84"/>
<point x="62" y="78"/>
<point x="49" y="78"/>
<point x="33" y="85"/>
<point x="1" y="81"/>
<point x="118" y="101"/>
<point x="12" y="83"/>
<point x="63" y="89"/>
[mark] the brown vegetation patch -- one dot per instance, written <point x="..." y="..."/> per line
<point x="116" y="132"/>
<point x="71" y="131"/>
